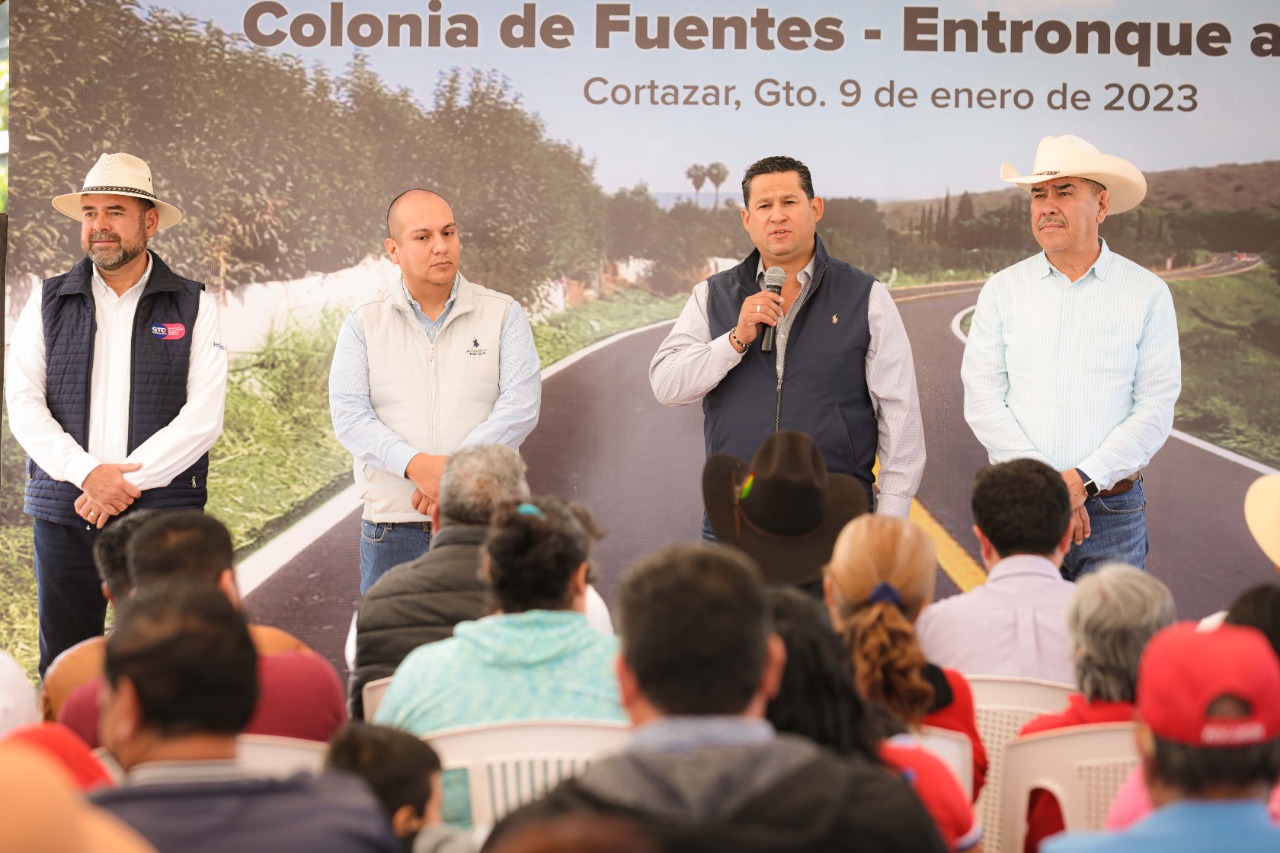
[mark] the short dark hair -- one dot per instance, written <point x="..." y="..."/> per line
<point x="183" y="544"/>
<point x="110" y="556"/>
<point x="1022" y="506"/>
<point x="773" y="166"/>
<point x="534" y="548"/>
<point x="397" y="765"/>
<point x="188" y="654"/>
<point x="694" y="628"/>
<point x="1195" y="770"/>
<point x="1259" y="607"/>
<point x="818" y="698"/>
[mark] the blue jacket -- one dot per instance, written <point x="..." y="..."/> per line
<point x="823" y="389"/>
<point x="158" y="381"/>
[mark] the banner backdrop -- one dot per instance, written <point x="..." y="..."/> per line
<point x="593" y="153"/>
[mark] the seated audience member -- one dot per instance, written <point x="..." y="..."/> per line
<point x="404" y="773"/>
<point x="65" y="747"/>
<point x="301" y="694"/>
<point x="1262" y="515"/>
<point x="182" y="684"/>
<point x="784" y="510"/>
<point x="882" y="572"/>
<point x="421" y="601"/>
<point x="1257" y="607"/>
<point x="41" y="810"/>
<point x="818" y="700"/>
<point x="704" y="769"/>
<point x="579" y="833"/>
<point x="1209" y="738"/>
<point x="17" y="696"/>
<point x="535" y="659"/>
<point x="1015" y="624"/>
<point x="1114" y="613"/>
<point x="82" y="663"/>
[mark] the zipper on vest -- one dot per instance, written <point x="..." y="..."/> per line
<point x="777" y="412"/>
<point x="193" y="482"/>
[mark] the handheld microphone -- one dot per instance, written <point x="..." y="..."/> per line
<point x="774" y="278"/>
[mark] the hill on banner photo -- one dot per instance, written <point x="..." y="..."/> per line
<point x="593" y="153"/>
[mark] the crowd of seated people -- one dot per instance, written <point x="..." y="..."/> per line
<point x="771" y="707"/>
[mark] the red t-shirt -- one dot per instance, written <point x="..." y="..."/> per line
<point x="958" y="716"/>
<point x="1044" y="815"/>
<point x="299" y="695"/>
<point x="937" y="788"/>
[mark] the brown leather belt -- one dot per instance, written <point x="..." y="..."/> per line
<point x="1120" y="487"/>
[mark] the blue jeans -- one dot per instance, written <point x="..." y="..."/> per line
<point x="384" y="545"/>
<point x="69" y="600"/>
<point x="1119" y="534"/>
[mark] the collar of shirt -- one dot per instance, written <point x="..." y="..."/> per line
<point x="805" y="275"/>
<point x="685" y="734"/>
<point x="101" y="288"/>
<point x="1026" y="565"/>
<point x="431" y="327"/>
<point x="1101" y="266"/>
<point x="178" y="772"/>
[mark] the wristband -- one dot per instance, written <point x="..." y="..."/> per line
<point x="733" y="339"/>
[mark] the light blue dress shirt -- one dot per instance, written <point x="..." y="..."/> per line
<point x="372" y="442"/>
<point x="1080" y="374"/>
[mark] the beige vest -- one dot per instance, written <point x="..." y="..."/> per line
<point x="432" y="395"/>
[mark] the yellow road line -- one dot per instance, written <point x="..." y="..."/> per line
<point x="954" y="559"/>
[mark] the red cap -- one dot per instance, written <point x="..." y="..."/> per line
<point x="1184" y="670"/>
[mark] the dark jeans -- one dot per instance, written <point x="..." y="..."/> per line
<point x="69" y="592"/>
<point x="1119" y="534"/>
<point x="383" y="546"/>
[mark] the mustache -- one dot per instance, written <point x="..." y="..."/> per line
<point x="95" y="236"/>
<point x="1051" y="220"/>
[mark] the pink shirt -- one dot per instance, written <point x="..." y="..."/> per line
<point x="1133" y="803"/>
<point x="1015" y="624"/>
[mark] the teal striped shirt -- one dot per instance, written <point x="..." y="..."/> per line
<point x="1080" y="374"/>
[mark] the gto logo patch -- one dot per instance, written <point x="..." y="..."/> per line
<point x="476" y="348"/>
<point x="169" y="331"/>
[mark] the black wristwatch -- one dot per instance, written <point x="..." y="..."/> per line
<point x="1091" y="489"/>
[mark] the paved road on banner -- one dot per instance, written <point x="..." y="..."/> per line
<point x="604" y="440"/>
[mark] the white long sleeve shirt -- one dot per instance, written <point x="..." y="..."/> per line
<point x="167" y="453"/>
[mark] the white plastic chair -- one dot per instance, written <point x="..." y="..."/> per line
<point x="1082" y="766"/>
<point x="371" y="695"/>
<point x="279" y="757"/>
<point x="510" y="764"/>
<point x="955" y="749"/>
<point x="1003" y="705"/>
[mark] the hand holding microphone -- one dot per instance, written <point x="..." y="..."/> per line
<point x="774" y="278"/>
<point x="760" y="309"/>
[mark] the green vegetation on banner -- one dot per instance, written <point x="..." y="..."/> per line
<point x="1229" y="332"/>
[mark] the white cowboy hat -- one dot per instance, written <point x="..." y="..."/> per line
<point x="1262" y="515"/>
<point x="1072" y="157"/>
<point x="118" y="174"/>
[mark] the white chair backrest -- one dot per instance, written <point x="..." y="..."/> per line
<point x="1003" y="706"/>
<point x="371" y="695"/>
<point x="1082" y="766"/>
<point x="953" y="748"/>
<point x="279" y="757"/>
<point x="510" y="764"/>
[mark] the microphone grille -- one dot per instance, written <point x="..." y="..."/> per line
<point x="775" y="277"/>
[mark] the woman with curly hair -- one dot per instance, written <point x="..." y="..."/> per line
<point x="881" y="575"/>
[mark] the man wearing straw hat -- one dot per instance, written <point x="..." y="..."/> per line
<point x="1072" y="358"/>
<point x="116" y="385"/>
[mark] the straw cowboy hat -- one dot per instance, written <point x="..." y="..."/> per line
<point x="785" y="511"/>
<point x="118" y="174"/>
<point x="1072" y="157"/>
<point x="1262" y="514"/>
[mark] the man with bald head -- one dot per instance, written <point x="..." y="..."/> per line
<point x="422" y="369"/>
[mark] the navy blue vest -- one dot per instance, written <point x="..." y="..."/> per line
<point x="823" y="391"/>
<point x="158" y="381"/>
